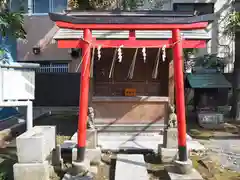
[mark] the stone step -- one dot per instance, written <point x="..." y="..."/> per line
<point x="103" y="127"/>
<point x="131" y="167"/>
<point x="129" y="141"/>
<point x="173" y="175"/>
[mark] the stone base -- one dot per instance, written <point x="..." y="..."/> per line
<point x="183" y="167"/>
<point x="57" y="160"/>
<point x="170" y="138"/>
<point x="168" y="155"/>
<point x="68" y="176"/>
<point x="93" y="155"/>
<point x="91" y="138"/>
<point x="210" y="120"/>
<point x="31" y="171"/>
<point x="173" y="175"/>
<point x="35" y="145"/>
<point x="94" y="171"/>
<point x="80" y="167"/>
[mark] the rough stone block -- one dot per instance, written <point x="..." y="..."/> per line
<point x="68" y="176"/>
<point x="57" y="160"/>
<point x="50" y="137"/>
<point x="183" y="167"/>
<point x="93" y="155"/>
<point x="80" y="167"/>
<point x="35" y="145"/>
<point x="194" y="175"/>
<point x="170" y="138"/>
<point x="68" y="143"/>
<point x="31" y="171"/>
<point x="101" y="169"/>
<point x="91" y="138"/>
<point x="210" y="118"/>
<point x="94" y="171"/>
<point x="74" y="154"/>
<point x="31" y="148"/>
<point x="168" y="155"/>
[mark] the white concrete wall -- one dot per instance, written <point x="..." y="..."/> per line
<point x="223" y="45"/>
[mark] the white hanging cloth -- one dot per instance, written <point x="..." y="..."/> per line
<point x="92" y="62"/>
<point x="113" y="64"/>
<point x="144" y="54"/>
<point x="164" y="53"/>
<point x="132" y="67"/>
<point x="156" y="65"/>
<point x="99" y="52"/>
<point x="120" y="54"/>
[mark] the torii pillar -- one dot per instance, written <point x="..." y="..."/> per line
<point x="179" y="91"/>
<point x="84" y="93"/>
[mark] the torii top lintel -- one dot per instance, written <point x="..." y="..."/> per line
<point x="139" y="20"/>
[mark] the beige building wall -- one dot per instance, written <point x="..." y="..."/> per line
<point x="40" y="30"/>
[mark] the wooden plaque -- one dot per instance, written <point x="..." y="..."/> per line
<point x="130" y="92"/>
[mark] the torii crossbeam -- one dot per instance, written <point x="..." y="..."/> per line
<point x="141" y="20"/>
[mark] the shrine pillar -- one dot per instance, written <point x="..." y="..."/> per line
<point x="179" y="90"/>
<point x="84" y="93"/>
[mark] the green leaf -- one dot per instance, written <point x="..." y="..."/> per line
<point x="233" y="24"/>
<point x="11" y="22"/>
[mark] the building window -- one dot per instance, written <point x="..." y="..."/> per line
<point x="41" y="6"/>
<point x="19" y="6"/>
<point x="200" y="8"/>
<point x="46" y="6"/>
<point x="38" y="6"/>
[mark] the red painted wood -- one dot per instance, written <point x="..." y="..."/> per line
<point x="84" y="90"/>
<point x="179" y="87"/>
<point x="200" y="25"/>
<point x="131" y="43"/>
<point x="132" y="35"/>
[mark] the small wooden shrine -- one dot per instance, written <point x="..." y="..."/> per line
<point x="121" y="94"/>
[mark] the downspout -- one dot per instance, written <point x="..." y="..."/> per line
<point x="30" y="7"/>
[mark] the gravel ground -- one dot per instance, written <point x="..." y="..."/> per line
<point x="225" y="148"/>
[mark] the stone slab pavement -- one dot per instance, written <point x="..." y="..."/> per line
<point x="131" y="167"/>
<point x="194" y="175"/>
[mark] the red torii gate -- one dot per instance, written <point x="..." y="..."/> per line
<point x="141" y="20"/>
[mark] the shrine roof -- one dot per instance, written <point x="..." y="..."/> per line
<point x="125" y="17"/>
<point x="208" y="80"/>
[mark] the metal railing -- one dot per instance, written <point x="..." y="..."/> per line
<point x="53" y="68"/>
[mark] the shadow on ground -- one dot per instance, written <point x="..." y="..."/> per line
<point x="156" y="169"/>
<point x="66" y="125"/>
